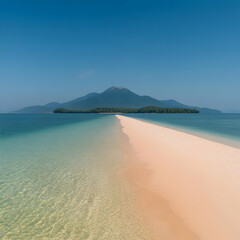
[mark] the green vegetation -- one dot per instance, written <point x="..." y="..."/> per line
<point x="149" y="109"/>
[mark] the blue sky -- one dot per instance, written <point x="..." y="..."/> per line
<point x="169" y="49"/>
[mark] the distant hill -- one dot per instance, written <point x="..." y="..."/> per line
<point x="112" y="97"/>
<point x="48" y="108"/>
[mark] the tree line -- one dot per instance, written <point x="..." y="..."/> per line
<point x="148" y="109"/>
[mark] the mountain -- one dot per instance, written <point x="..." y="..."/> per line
<point x="40" y="109"/>
<point x="112" y="97"/>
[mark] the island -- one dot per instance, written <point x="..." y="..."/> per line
<point x="113" y="97"/>
<point x="148" y="109"/>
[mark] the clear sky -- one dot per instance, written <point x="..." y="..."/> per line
<point x="57" y="50"/>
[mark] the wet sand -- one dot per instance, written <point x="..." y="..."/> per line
<point x="186" y="186"/>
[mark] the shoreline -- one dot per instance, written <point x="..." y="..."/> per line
<point x="185" y="185"/>
<point x="161" y="221"/>
<point x="213" y="137"/>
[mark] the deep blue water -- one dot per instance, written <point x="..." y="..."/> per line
<point x="14" y="124"/>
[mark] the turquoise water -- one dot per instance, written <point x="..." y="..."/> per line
<point x="59" y="179"/>
<point x="224" y="128"/>
<point x="59" y="173"/>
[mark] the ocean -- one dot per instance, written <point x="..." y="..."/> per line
<point x="60" y="173"/>
<point x="223" y="127"/>
<point x="59" y="179"/>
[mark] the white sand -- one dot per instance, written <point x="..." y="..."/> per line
<point x="198" y="179"/>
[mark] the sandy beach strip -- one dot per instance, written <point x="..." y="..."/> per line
<point x="190" y="185"/>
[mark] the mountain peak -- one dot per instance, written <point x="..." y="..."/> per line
<point x="113" y="88"/>
<point x="116" y="89"/>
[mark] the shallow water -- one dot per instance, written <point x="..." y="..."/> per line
<point x="58" y="179"/>
<point x="223" y="128"/>
<point x="59" y="173"/>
